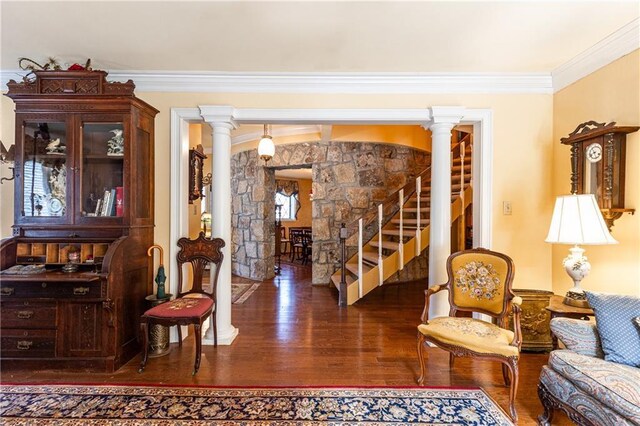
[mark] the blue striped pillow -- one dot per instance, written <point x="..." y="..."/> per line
<point x="614" y="317"/>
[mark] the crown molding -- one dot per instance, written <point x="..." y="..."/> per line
<point x="622" y="42"/>
<point x="352" y="83"/>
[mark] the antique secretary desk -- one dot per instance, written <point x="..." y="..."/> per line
<point x="75" y="273"/>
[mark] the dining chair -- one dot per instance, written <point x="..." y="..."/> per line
<point x="194" y="305"/>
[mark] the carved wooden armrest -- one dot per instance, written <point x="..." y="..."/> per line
<point x="427" y="295"/>
<point x="517" y="332"/>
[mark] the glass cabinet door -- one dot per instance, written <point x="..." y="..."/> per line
<point x="102" y="158"/>
<point x="44" y="171"/>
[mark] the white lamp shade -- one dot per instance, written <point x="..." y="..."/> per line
<point x="266" y="148"/>
<point x="577" y="220"/>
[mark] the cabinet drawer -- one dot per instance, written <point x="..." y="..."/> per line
<point x="50" y="289"/>
<point x="27" y="315"/>
<point x="27" y="343"/>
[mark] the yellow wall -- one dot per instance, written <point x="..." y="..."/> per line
<point x="413" y="136"/>
<point x="610" y="94"/>
<point x="304" y="214"/>
<point x="522" y="160"/>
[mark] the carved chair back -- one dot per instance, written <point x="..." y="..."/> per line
<point x="480" y="280"/>
<point x="199" y="253"/>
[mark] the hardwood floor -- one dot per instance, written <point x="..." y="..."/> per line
<point x="294" y="334"/>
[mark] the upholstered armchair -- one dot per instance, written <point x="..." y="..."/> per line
<point x="479" y="281"/>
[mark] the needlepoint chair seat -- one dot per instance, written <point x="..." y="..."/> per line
<point x="194" y="305"/>
<point x="479" y="281"/>
<point x="472" y="334"/>
<point x="184" y="307"/>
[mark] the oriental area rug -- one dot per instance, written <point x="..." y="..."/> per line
<point x="241" y="291"/>
<point x="191" y="406"/>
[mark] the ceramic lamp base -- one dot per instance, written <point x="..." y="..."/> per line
<point x="577" y="300"/>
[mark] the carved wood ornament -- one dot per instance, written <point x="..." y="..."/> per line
<point x="196" y="174"/>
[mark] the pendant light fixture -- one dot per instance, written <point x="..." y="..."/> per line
<point x="266" y="148"/>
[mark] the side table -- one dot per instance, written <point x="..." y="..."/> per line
<point x="559" y="309"/>
<point x="158" y="334"/>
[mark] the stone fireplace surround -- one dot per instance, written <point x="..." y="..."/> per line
<point x="349" y="178"/>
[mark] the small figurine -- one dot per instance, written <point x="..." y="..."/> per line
<point x="115" y="145"/>
<point x="55" y="147"/>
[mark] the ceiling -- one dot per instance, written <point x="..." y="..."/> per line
<point x="295" y="173"/>
<point x="243" y="36"/>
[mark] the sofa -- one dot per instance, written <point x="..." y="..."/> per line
<point x="581" y="383"/>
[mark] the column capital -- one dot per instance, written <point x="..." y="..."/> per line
<point x="444" y="116"/>
<point x="219" y="116"/>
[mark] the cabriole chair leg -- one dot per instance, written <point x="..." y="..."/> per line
<point x="423" y="369"/>
<point x="198" y="335"/>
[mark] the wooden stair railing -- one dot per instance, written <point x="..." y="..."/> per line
<point x="397" y="239"/>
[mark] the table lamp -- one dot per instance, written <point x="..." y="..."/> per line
<point x="577" y="220"/>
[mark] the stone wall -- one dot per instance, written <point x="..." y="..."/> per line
<point x="349" y="179"/>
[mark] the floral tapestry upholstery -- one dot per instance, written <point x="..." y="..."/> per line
<point x="183" y="307"/>
<point x="475" y="335"/>
<point x="578" y="335"/>
<point x="590" y="408"/>
<point x="613" y="385"/>
<point x="479" y="281"/>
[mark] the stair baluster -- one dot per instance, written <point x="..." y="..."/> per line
<point x="342" y="301"/>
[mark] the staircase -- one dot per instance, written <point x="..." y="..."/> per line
<point x="403" y="227"/>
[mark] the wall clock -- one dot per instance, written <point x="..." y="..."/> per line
<point x="598" y="165"/>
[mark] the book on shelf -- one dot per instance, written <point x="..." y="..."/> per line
<point x="119" y="201"/>
<point x="105" y="203"/>
<point x="112" y="202"/>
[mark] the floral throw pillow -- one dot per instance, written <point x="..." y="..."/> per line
<point x="615" y="316"/>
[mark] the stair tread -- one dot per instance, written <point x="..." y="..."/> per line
<point x="411" y="221"/>
<point x="415" y="209"/>
<point x="353" y="268"/>
<point x="387" y="245"/>
<point x="335" y="279"/>
<point x="396" y="233"/>
<point x="371" y="257"/>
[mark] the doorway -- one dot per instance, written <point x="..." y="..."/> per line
<point x="293" y="204"/>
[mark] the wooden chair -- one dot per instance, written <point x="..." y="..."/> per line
<point x="193" y="306"/>
<point x="307" y="246"/>
<point x="479" y="281"/>
<point x="297" y="247"/>
<point x="285" y="243"/>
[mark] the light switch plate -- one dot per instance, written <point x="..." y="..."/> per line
<point x="506" y="208"/>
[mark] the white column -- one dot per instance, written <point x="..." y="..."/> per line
<point x="221" y="120"/>
<point x="443" y="120"/>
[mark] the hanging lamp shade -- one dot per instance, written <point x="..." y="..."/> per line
<point x="266" y="147"/>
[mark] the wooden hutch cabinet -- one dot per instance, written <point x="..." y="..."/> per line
<point x="75" y="274"/>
